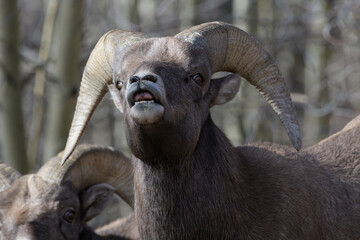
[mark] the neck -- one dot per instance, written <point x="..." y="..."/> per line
<point x="192" y="193"/>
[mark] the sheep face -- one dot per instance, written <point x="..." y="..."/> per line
<point x="163" y="86"/>
<point x="35" y="209"/>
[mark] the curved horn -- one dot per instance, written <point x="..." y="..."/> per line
<point x="89" y="165"/>
<point x="7" y="176"/>
<point x="98" y="73"/>
<point x="233" y="50"/>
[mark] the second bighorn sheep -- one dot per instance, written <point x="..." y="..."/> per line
<point x="189" y="181"/>
<point x="56" y="202"/>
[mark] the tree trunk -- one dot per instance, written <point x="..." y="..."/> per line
<point x="327" y="53"/>
<point x="134" y="17"/>
<point x="299" y="50"/>
<point x="39" y="84"/>
<point x="252" y="24"/>
<point x="211" y="10"/>
<point x="63" y="92"/>
<point x="13" y="130"/>
<point x="253" y="17"/>
<point x="167" y="17"/>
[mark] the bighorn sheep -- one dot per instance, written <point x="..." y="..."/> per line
<point x="189" y="181"/>
<point x="56" y="202"/>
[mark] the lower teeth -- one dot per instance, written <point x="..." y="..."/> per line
<point x="151" y="101"/>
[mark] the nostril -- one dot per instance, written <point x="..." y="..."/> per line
<point x="134" y="79"/>
<point x="149" y="77"/>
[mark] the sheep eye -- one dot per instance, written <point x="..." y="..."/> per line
<point x="69" y="216"/>
<point x="119" y="85"/>
<point x="198" y="79"/>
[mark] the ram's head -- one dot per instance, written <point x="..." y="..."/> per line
<point x="164" y="87"/>
<point x="57" y="201"/>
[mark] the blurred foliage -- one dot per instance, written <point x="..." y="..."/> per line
<point x="316" y="44"/>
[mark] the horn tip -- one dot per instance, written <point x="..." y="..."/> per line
<point x="65" y="157"/>
<point x="297" y="146"/>
<point x="296" y="142"/>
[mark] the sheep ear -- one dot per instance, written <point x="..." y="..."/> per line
<point x="222" y="90"/>
<point x="95" y="199"/>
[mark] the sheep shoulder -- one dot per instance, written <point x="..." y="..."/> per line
<point x="340" y="152"/>
<point x="320" y="183"/>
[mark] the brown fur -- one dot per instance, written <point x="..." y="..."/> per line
<point x="269" y="192"/>
<point x="32" y="208"/>
<point x="191" y="183"/>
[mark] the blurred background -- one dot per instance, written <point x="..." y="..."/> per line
<point x="44" y="45"/>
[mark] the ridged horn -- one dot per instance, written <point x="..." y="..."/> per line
<point x="233" y="50"/>
<point x="89" y="165"/>
<point x="98" y="73"/>
<point x="7" y="176"/>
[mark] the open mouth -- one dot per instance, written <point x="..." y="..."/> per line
<point x="148" y="95"/>
<point x="142" y="97"/>
<point x="145" y="104"/>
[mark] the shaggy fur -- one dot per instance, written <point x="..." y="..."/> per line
<point x="259" y="191"/>
<point x="191" y="183"/>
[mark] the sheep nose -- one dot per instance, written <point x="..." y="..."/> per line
<point x="143" y="77"/>
<point x="149" y="77"/>
<point x="134" y="79"/>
